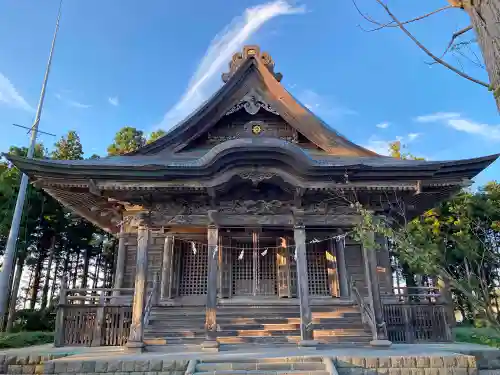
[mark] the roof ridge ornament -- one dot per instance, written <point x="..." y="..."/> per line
<point x="251" y="51"/>
<point x="252" y="102"/>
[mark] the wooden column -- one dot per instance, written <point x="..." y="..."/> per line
<point x="211" y="308"/>
<point x="342" y="269"/>
<point x="372" y="282"/>
<point x="61" y="306"/>
<point x="299" y="234"/>
<point x="167" y="268"/>
<point x="120" y="261"/>
<point x="135" y="340"/>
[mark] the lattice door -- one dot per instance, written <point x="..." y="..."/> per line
<point x="267" y="285"/>
<point x="317" y="269"/>
<point x="242" y="269"/>
<point x="193" y="270"/>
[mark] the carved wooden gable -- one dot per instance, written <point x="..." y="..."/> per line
<point x="251" y="117"/>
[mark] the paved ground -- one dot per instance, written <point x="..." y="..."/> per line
<point x="119" y="353"/>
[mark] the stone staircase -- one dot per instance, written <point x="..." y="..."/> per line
<point x="251" y="324"/>
<point x="263" y="366"/>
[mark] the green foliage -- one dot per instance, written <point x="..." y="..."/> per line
<point x="127" y="139"/>
<point x="156" y="135"/>
<point x="35" y="320"/>
<point x="68" y="147"/>
<point x="475" y="335"/>
<point x="23" y="339"/>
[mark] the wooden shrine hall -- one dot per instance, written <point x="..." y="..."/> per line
<point x="233" y="228"/>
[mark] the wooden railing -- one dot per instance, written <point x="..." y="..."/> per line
<point x="416" y="322"/>
<point x="420" y="294"/>
<point x="93" y="317"/>
<point x="152" y="300"/>
<point x="367" y="314"/>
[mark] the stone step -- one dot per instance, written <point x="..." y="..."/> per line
<point x="262" y="372"/>
<point x="244" y="359"/>
<point x="252" y="366"/>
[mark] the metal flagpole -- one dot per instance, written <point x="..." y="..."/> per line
<point x="10" y="249"/>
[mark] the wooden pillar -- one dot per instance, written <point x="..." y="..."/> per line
<point x="283" y="268"/>
<point x="211" y="308"/>
<point x="299" y="234"/>
<point x="61" y="306"/>
<point x="135" y="340"/>
<point x="372" y="282"/>
<point x="167" y="268"/>
<point x="342" y="269"/>
<point x="120" y="261"/>
<point x="332" y="268"/>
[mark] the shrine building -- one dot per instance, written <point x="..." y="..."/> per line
<point x="234" y="227"/>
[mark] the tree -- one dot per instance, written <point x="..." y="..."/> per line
<point x="68" y="147"/>
<point x="156" y="135"/>
<point x="484" y="16"/>
<point x="126" y="140"/>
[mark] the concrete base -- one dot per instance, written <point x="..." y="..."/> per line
<point x="309" y="344"/>
<point x="135" y="346"/>
<point x="381" y="343"/>
<point x="210" y="346"/>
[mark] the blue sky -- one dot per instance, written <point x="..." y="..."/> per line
<point x="147" y="63"/>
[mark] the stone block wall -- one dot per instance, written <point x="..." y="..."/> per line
<point x="453" y="364"/>
<point x="34" y="365"/>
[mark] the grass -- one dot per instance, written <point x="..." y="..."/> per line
<point x="484" y="336"/>
<point x="23" y="339"/>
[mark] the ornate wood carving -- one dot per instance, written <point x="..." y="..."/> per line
<point x="256" y="176"/>
<point x="250" y="51"/>
<point x="252" y="102"/>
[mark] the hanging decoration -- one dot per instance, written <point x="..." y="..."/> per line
<point x="264" y="250"/>
<point x="215" y="251"/>
<point x="193" y="247"/>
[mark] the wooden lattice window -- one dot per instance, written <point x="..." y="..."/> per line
<point x="268" y="285"/>
<point x="242" y="269"/>
<point x="193" y="270"/>
<point x="317" y="270"/>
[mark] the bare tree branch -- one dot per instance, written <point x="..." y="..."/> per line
<point x="429" y="53"/>
<point x="455" y="36"/>
<point x="392" y="23"/>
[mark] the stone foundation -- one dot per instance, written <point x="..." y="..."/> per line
<point x="407" y="365"/>
<point x="57" y="365"/>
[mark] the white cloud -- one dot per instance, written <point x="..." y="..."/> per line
<point x="114" y="101"/>
<point x="323" y="106"/>
<point x="382" y="125"/>
<point x="10" y="96"/>
<point x="379" y="146"/>
<point x="438" y="116"/>
<point x="413" y="136"/>
<point x="207" y="76"/>
<point x="72" y="103"/>
<point x="458" y="122"/>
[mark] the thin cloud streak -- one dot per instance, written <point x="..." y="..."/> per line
<point x="382" y="125"/>
<point x="114" y="101"/>
<point x="456" y="121"/>
<point x="10" y="96"/>
<point x="72" y="103"/>
<point x="207" y="76"/>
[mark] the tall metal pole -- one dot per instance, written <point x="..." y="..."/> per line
<point x="10" y="249"/>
